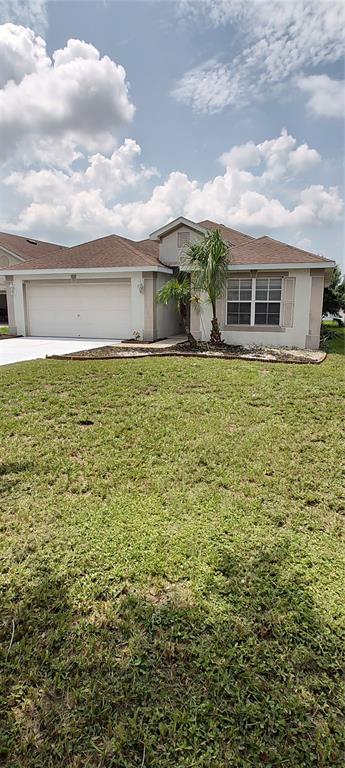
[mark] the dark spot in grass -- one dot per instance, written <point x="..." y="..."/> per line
<point x="85" y="422"/>
<point x="14" y="467"/>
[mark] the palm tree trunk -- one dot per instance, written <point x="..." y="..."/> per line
<point x="215" y="337"/>
<point x="186" y="325"/>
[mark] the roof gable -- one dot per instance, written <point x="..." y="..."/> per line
<point x="175" y="224"/>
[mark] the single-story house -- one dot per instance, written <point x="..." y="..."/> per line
<point x="106" y="289"/>
<point x="16" y="250"/>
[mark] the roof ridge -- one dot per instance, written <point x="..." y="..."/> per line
<point x="219" y="224"/>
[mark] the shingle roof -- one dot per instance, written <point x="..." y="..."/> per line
<point x="265" y="250"/>
<point x="232" y="236"/>
<point x="27" y="247"/>
<point x="116" y="251"/>
<point x="110" y="251"/>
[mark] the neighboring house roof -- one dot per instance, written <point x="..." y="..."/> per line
<point x="232" y="236"/>
<point x="265" y="250"/>
<point x="26" y="247"/>
<point x="110" y="251"/>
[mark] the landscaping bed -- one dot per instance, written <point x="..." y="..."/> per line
<point x="203" y="350"/>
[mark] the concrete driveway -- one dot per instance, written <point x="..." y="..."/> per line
<point x="18" y="350"/>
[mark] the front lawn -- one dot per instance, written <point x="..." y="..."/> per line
<point x="172" y="564"/>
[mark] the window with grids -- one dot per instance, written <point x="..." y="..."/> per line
<point x="183" y="238"/>
<point x="239" y="301"/>
<point x="268" y="292"/>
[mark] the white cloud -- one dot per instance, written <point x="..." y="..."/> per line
<point x="21" y="52"/>
<point x="327" y="96"/>
<point x="253" y="191"/>
<point x="107" y="176"/>
<point x="30" y="13"/>
<point x="83" y="98"/>
<point x="207" y="88"/>
<point x="280" y="39"/>
<point x="279" y="155"/>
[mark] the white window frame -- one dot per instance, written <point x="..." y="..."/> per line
<point x="240" y="301"/>
<point x="268" y="301"/>
<point x="254" y="301"/>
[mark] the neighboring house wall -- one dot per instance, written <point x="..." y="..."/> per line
<point x="299" y="318"/>
<point x="6" y="260"/>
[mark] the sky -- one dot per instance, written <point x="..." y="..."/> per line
<point x="116" y="117"/>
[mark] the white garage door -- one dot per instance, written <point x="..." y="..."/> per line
<point x="90" y="310"/>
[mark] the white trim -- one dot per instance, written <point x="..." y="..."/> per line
<point x="81" y="271"/>
<point x="253" y="302"/>
<point x="281" y="266"/>
<point x="156" y="235"/>
<point x="269" y="301"/>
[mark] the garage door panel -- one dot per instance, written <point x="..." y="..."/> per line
<point x="96" y="310"/>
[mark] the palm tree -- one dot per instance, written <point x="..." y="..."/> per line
<point x="209" y="261"/>
<point x="178" y="290"/>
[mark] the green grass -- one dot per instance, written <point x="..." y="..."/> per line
<point x="172" y="571"/>
<point x="3" y="329"/>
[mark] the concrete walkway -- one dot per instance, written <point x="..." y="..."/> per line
<point x="163" y="344"/>
<point x="20" y="349"/>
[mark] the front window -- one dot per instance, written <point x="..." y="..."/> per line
<point x="267" y="300"/>
<point x="239" y="301"/>
<point x="253" y="301"/>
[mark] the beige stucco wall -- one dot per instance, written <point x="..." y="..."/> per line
<point x="303" y="330"/>
<point x="315" y="309"/>
<point x="169" y="253"/>
<point x="150" y="308"/>
<point x="168" y="321"/>
<point x="160" y="321"/>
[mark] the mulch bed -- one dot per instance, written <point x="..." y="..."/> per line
<point x="8" y="336"/>
<point x="203" y="350"/>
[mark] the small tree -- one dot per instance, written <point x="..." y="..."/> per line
<point x="178" y="290"/>
<point x="209" y="260"/>
<point x="334" y="295"/>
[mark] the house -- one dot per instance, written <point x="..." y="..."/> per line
<point x="16" y="250"/>
<point x="106" y="289"/>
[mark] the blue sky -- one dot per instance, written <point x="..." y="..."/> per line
<point x="216" y="109"/>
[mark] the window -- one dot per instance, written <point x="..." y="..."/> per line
<point x="239" y="301"/>
<point x="267" y="300"/>
<point x="253" y="301"/>
<point x="183" y="238"/>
